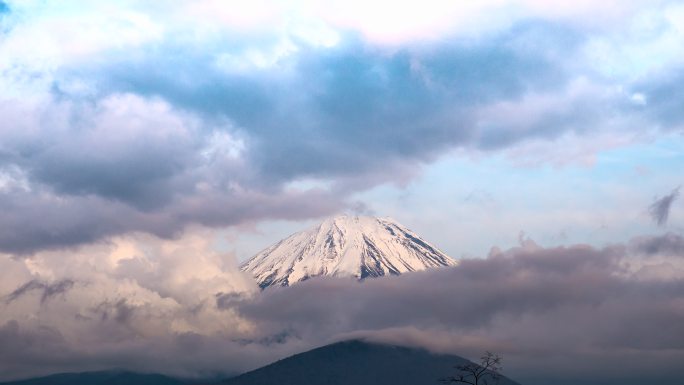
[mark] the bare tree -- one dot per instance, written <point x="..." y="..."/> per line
<point x="484" y="373"/>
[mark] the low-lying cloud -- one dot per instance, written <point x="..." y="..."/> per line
<point x="562" y="315"/>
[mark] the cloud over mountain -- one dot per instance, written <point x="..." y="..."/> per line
<point x="134" y="134"/>
<point x="542" y="308"/>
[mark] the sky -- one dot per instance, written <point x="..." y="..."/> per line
<point x="147" y="148"/>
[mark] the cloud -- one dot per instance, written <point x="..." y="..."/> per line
<point x="135" y="146"/>
<point x="660" y="208"/>
<point x="156" y="123"/>
<point x="125" y="298"/>
<point x="127" y="164"/>
<point x="128" y="127"/>
<point x="353" y="108"/>
<point x="48" y="290"/>
<point x="40" y="221"/>
<point x="660" y="99"/>
<point x="136" y="302"/>
<point x="556" y="314"/>
<point x="667" y="244"/>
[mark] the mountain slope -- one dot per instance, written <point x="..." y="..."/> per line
<point x="343" y="363"/>
<point x="357" y="363"/>
<point x="345" y="246"/>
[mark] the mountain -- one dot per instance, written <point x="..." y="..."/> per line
<point x="357" y="363"/>
<point x="345" y="246"/>
<point x="113" y="377"/>
<point x="344" y="363"/>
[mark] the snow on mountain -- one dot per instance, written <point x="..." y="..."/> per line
<point x="356" y="246"/>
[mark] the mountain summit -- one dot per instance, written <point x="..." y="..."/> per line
<point x="345" y="246"/>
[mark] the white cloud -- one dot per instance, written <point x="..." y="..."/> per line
<point x="43" y="37"/>
<point x="137" y="283"/>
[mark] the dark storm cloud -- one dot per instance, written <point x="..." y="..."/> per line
<point x="660" y="208"/>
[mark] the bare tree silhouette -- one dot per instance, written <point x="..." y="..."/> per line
<point x="484" y="373"/>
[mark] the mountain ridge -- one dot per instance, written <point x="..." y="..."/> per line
<point x="104" y="377"/>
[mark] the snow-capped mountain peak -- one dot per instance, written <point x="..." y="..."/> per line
<point x="355" y="246"/>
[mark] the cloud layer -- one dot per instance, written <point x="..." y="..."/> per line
<point x="562" y="315"/>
